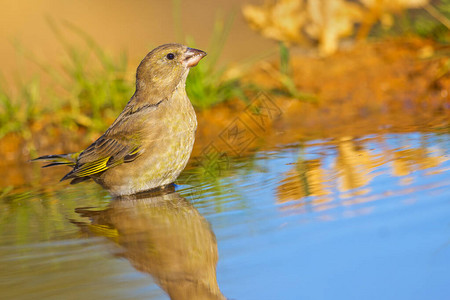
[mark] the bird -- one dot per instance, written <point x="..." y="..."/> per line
<point x="151" y="141"/>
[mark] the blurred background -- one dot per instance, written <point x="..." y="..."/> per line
<point x="135" y="27"/>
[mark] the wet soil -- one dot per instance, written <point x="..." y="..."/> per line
<point x="387" y="86"/>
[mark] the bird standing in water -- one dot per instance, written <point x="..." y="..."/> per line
<point x="150" y="142"/>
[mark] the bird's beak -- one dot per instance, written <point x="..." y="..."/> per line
<point x="193" y="56"/>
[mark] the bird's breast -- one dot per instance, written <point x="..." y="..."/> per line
<point x="179" y="112"/>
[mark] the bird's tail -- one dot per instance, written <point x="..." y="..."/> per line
<point x="59" y="159"/>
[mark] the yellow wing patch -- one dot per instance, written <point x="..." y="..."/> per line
<point x="93" y="167"/>
<point x="97" y="166"/>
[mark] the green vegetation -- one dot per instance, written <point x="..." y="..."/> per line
<point x="435" y="24"/>
<point x="285" y="77"/>
<point x="90" y="86"/>
<point x="206" y="85"/>
<point x="431" y="21"/>
<point x="19" y="108"/>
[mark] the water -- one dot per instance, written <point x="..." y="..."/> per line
<point x="351" y="218"/>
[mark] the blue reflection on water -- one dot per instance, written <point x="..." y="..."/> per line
<point x="389" y="240"/>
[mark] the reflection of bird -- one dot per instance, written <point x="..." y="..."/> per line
<point x="164" y="235"/>
<point x="150" y="142"/>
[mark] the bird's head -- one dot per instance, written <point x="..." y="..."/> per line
<point x="165" y="67"/>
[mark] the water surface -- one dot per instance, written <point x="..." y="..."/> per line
<point x="345" y="218"/>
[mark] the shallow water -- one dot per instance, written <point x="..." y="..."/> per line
<point x="350" y="218"/>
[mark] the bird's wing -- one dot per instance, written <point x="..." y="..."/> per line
<point x="102" y="155"/>
<point x="121" y="143"/>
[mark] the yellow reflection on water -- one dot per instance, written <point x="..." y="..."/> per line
<point x="407" y="160"/>
<point x="165" y="236"/>
<point x="352" y="171"/>
<point x="354" y="165"/>
<point x="306" y="178"/>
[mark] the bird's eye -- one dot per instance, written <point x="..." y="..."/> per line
<point x="170" y="56"/>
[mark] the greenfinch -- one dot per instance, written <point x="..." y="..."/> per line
<point x="150" y="142"/>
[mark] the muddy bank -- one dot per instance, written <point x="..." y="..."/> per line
<point x="394" y="85"/>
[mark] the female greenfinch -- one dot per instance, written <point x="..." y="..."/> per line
<point x="150" y="142"/>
